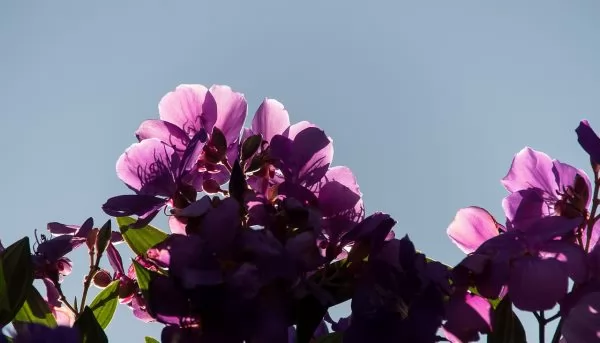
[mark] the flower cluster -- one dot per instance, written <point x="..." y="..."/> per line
<point x="266" y="235"/>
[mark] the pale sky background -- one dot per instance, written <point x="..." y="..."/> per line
<point x="426" y="101"/>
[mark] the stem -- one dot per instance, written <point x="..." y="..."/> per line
<point x="542" y="326"/>
<point x="592" y="217"/>
<point x="64" y="300"/>
<point x="88" y="280"/>
<point x="549" y="319"/>
<point x="557" y="333"/>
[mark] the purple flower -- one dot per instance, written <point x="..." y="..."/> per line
<point x="49" y="258"/>
<point x="471" y="227"/>
<point x="155" y="172"/>
<point x="398" y="298"/>
<point x="191" y="109"/>
<point x="467" y="314"/>
<point x="521" y="259"/>
<point x="540" y="186"/>
<point x="29" y="333"/>
<point x="589" y="141"/>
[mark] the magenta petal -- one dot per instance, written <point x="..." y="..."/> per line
<point x="595" y="235"/>
<point x="132" y="204"/>
<point x="167" y="132"/>
<point x="582" y="324"/>
<point x="312" y="154"/>
<point x="293" y="130"/>
<point x="548" y="228"/>
<point x="221" y="224"/>
<point x="61" y="229"/>
<point x="524" y="207"/>
<point x="589" y="140"/>
<point x="114" y="258"/>
<point x="148" y="167"/>
<point x="530" y="169"/>
<point x="177" y="226"/>
<point x="467" y="316"/>
<point x="527" y="276"/>
<point x="571" y="256"/>
<point x="190" y="107"/>
<point x="197" y="208"/>
<point x="471" y="227"/>
<point x="231" y="108"/>
<point x="340" y="192"/>
<point x="270" y="119"/>
<point x="565" y="176"/>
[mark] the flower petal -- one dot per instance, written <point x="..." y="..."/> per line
<point x="270" y="119"/>
<point x="471" y="227"/>
<point x="132" y="204"/>
<point x="312" y="153"/>
<point x="231" y="108"/>
<point x="148" y="167"/>
<point x="190" y="107"/>
<point x="530" y="169"/>
<point x="524" y="207"/>
<point x="167" y="132"/>
<point x="571" y="256"/>
<point x="582" y="324"/>
<point x="589" y="140"/>
<point x="526" y="276"/>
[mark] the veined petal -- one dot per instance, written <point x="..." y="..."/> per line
<point x="524" y="207"/>
<point x="531" y="169"/>
<point x="190" y="107"/>
<point x="312" y="154"/>
<point x="338" y="191"/>
<point x="570" y="255"/>
<point x="526" y="276"/>
<point x="169" y="133"/>
<point x="270" y="119"/>
<point x="231" y="109"/>
<point x="148" y="168"/>
<point x="471" y="227"/>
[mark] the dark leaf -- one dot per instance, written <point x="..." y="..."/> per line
<point x="506" y="326"/>
<point x="105" y="304"/>
<point x="34" y="310"/>
<point x="334" y="337"/>
<point x="237" y="183"/>
<point x="89" y="329"/>
<point x="17" y="277"/>
<point x="103" y="238"/>
<point x="142" y="239"/>
<point x="218" y="140"/>
<point x="255" y="164"/>
<point x="250" y="146"/>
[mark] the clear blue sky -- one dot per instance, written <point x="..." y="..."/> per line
<point x="426" y="101"/>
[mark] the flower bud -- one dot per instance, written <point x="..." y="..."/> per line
<point x="211" y="186"/>
<point x="102" y="279"/>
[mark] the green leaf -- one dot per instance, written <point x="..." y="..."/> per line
<point x="105" y="304"/>
<point x="143" y="276"/>
<point x="142" y="239"/>
<point x="151" y="340"/>
<point x="17" y="277"/>
<point x="89" y="329"/>
<point x="506" y="326"/>
<point x="35" y="310"/>
<point x="334" y="337"/>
